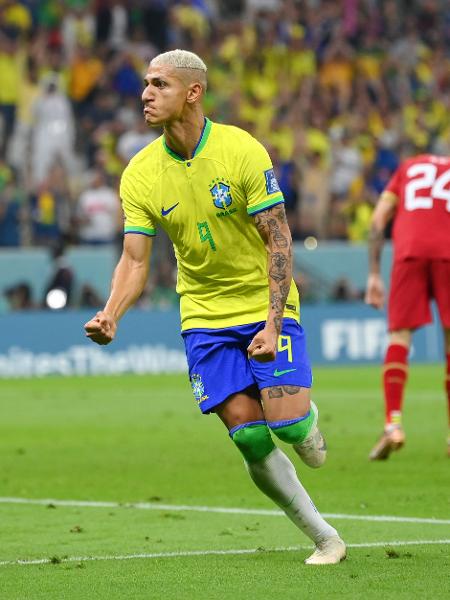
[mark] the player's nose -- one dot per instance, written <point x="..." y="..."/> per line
<point x="146" y="95"/>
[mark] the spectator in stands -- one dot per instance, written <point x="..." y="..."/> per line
<point x="20" y="296"/>
<point x="78" y="28"/>
<point x="337" y="71"/>
<point x="11" y="73"/>
<point x="126" y="80"/>
<point x="98" y="213"/>
<point x="15" y="16"/>
<point x="347" y="163"/>
<point x="344" y="291"/>
<point x="139" y="46"/>
<point x="12" y="213"/>
<point x="155" y="18"/>
<point x="59" y="288"/>
<point x="358" y="210"/>
<point x="134" y="139"/>
<point x="54" y="131"/>
<point x="305" y="72"/>
<point x="85" y="72"/>
<point x="51" y="209"/>
<point x="89" y="298"/>
<point x="98" y="115"/>
<point x="112" y="24"/>
<point x="20" y="148"/>
<point x="314" y="187"/>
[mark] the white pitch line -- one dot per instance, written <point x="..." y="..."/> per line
<point x="212" y="509"/>
<point x="187" y="553"/>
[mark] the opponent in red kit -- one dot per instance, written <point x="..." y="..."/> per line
<point x="418" y="199"/>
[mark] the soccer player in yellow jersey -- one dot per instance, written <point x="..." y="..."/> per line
<point x="212" y="188"/>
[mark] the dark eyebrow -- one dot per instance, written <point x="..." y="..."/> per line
<point x="155" y="80"/>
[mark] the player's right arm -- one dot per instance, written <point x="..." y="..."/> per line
<point x="265" y="203"/>
<point x="128" y="282"/>
<point x="383" y="213"/>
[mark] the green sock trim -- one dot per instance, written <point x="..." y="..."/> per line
<point x="254" y="442"/>
<point x="296" y="433"/>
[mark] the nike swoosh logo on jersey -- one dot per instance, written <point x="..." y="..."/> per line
<point x="164" y="213"/>
<point x="277" y="373"/>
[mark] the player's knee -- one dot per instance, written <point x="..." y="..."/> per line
<point x="295" y="431"/>
<point x="253" y="440"/>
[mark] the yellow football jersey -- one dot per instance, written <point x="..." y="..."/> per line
<point x="205" y="204"/>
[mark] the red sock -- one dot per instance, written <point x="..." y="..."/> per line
<point x="447" y="386"/>
<point x="395" y="373"/>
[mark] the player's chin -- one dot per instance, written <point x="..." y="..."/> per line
<point x="153" y="120"/>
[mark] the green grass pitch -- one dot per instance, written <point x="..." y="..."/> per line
<point x="126" y="440"/>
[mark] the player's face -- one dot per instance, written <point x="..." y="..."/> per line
<point x="164" y="95"/>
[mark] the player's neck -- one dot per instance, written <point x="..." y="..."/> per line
<point x="183" y="136"/>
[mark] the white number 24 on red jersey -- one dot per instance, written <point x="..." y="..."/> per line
<point x="426" y="182"/>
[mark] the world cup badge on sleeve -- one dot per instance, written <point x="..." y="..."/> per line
<point x="271" y="182"/>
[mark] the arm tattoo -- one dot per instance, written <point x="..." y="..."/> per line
<point x="280" y="213"/>
<point x="261" y="224"/>
<point x="276" y="301"/>
<point x="272" y="227"/>
<point x="278" y="321"/>
<point x="280" y="240"/>
<point x="277" y="269"/>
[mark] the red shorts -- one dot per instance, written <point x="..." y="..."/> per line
<point x="414" y="282"/>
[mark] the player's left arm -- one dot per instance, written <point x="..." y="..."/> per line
<point x="273" y="228"/>
<point x="383" y="213"/>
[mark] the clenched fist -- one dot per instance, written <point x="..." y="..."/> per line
<point x="101" y="329"/>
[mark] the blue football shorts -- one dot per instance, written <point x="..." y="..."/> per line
<point x="219" y="365"/>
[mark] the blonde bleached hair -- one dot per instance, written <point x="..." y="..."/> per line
<point x="183" y="59"/>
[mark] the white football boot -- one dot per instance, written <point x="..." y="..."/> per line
<point x="313" y="450"/>
<point x="328" y="552"/>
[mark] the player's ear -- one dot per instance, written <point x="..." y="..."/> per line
<point x="194" y="92"/>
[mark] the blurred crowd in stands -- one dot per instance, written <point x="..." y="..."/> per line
<point x="338" y="91"/>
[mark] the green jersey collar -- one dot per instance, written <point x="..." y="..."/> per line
<point x="198" y="148"/>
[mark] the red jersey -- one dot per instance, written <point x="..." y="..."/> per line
<point x="422" y="219"/>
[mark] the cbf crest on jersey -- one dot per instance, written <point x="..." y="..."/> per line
<point x="221" y="194"/>
<point x="271" y="182"/>
<point x="198" y="388"/>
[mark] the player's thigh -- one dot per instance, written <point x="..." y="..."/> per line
<point x="285" y="383"/>
<point x="285" y="402"/>
<point x="240" y="408"/>
<point x="218" y="367"/>
<point x="440" y="281"/>
<point x="410" y="295"/>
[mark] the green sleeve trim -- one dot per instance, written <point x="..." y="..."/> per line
<point x="142" y="230"/>
<point x="266" y="204"/>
